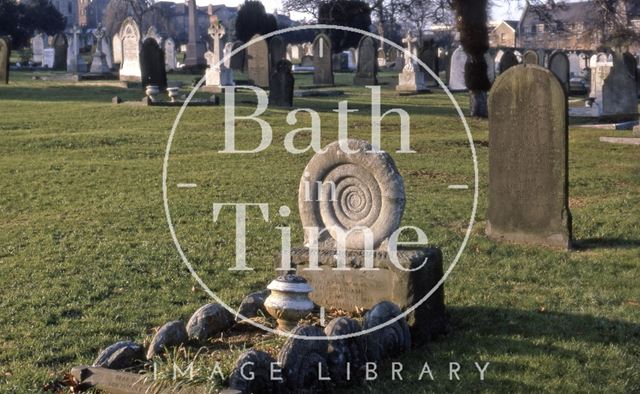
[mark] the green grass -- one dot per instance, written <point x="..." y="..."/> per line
<point x="86" y="258"/>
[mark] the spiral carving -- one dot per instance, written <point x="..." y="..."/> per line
<point x="346" y="192"/>
<point x="390" y="341"/>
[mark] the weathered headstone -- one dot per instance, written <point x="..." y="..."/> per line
<point x="257" y="58"/>
<point x="528" y="159"/>
<point x="322" y="60"/>
<point x="107" y="50"/>
<point x="116" y="49"/>
<point x="152" y="66"/>
<point x="411" y="79"/>
<point x="631" y="63"/>
<point x="367" y="67"/>
<point x="542" y="57"/>
<point x="531" y="57"/>
<point x="195" y="47"/>
<point x="5" y="55"/>
<point x="60" y="46"/>
<point x="38" y="44"/>
<point x="508" y="60"/>
<point x="277" y="51"/>
<point x="99" y="61"/>
<point x="281" y="85"/>
<point x="559" y="66"/>
<point x="130" y="36"/>
<point x="618" y="95"/>
<point x="170" y="58"/>
<point x="48" y="57"/>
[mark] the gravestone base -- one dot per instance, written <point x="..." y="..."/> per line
<point x="357" y="288"/>
<point x="411" y="81"/>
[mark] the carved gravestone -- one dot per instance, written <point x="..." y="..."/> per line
<point x="429" y="56"/>
<point x="531" y="57"/>
<point x="130" y="36"/>
<point x="456" y="73"/>
<point x="237" y="60"/>
<point x="152" y="64"/>
<point x="60" y="47"/>
<point x="341" y="192"/>
<point x="75" y="62"/>
<point x="281" y="85"/>
<point x="559" y="66"/>
<point x="367" y="67"/>
<point x="508" y="60"/>
<point x="277" y="51"/>
<point x="411" y="79"/>
<point x="5" y="55"/>
<point x="257" y="58"/>
<point x="99" y="63"/>
<point x="322" y="60"/>
<point x="528" y="159"/>
<point x="48" y="57"/>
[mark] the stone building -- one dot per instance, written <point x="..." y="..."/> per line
<point x="569" y="26"/>
<point x="505" y="34"/>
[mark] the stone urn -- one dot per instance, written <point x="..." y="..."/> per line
<point x="173" y="94"/>
<point x="289" y="300"/>
<point x="152" y="91"/>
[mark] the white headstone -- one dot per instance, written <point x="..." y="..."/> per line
<point x="38" y="44"/>
<point x="575" y="68"/>
<point x="75" y="63"/>
<point x="456" y="75"/>
<point x="130" y="67"/>
<point x="48" y="57"/>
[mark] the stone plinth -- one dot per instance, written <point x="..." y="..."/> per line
<point x="357" y="288"/>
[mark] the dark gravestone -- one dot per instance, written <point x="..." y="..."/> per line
<point x="429" y="56"/>
<point x="631" y="63"/>
<point x="277" y="51"/>
<point x="322" y="60"/>
<point x="281" y="85"/>
<point x="5" y="54"/>
<point x="257" y="58"/>
<point x="508" y="60"/>
<point x="60" y="47"/>
<point x="542" y="57"/>
<point x="619" y="94"/>
<point x="559" y="66"/>
<point x="237" y="60"/>
<point x="531" y="57"/>
<point x="528" y="159"/>
<point x="367" y="67"/>
<point x="152" y="64"/>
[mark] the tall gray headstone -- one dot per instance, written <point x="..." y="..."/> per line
<point x="322" y="60"/>
<point x="5" y="55"/>
<point x="130" y="36"/>
<point x="367" y="67"/>
<point x="429" y="56"/>
<point x="257" y="59"/>
<point x="559" y="66"/>
<point x="618" y="95"/>
<point x="75" y="62"/>
<point x="528" y="159"/>
<point x="152" y="67"/>
<point x="237" y="62"/>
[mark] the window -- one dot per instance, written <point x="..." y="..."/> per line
<point x="540" y="27"/>
<point x="503" y="37"/>
<point x="533" y="30"/>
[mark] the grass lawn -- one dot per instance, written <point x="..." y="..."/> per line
<point x="86" y="258"/>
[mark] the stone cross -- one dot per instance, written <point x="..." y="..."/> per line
<point x="216" y="31"/>
<point x="408" y="61"/>
<point x="99" y="34"/>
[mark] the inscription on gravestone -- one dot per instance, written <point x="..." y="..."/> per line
<point x="528" y="159"/>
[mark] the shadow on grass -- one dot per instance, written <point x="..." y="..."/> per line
<point x="95" y="94"/>
<point x="605" y="243"/>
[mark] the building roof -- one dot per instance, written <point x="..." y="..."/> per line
<point x="562" y="11"/>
